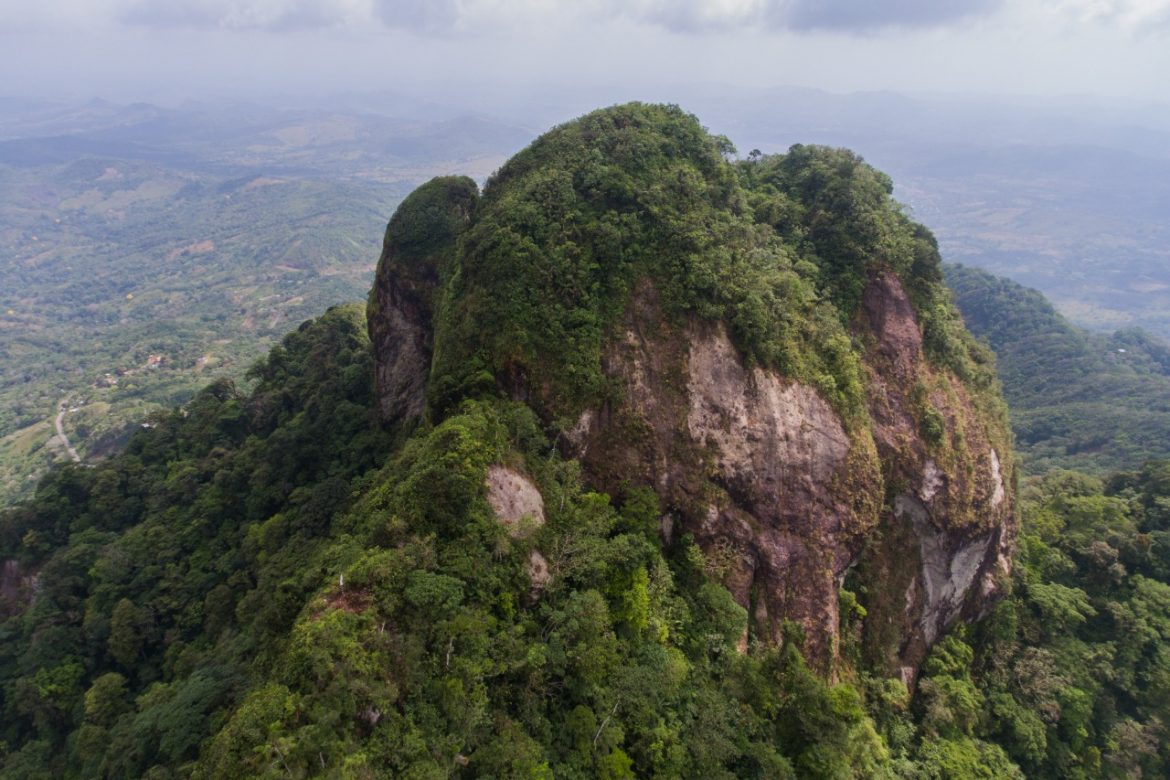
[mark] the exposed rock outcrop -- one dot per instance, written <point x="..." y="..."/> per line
<point x="518" y="505"/>
<point x="403" y="339"/>
<point x="538" y="573"/>
<point x="515" y="500"/>
<point x="759" y="468"/>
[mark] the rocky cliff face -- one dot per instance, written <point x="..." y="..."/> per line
<point x="418" y="248"/>
<point x="949" y="520"/>
<point x="789" y="379"/>
<point x="774" y="487"/>
<point x="758" y="467"/>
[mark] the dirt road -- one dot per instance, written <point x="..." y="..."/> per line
<point x="61" y="409"/>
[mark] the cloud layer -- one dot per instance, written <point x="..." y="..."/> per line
<point x="644" y="49"/>
<point x="428" y="16"/>
<point x="444" y="16"/>
<point x="693" y="17"/>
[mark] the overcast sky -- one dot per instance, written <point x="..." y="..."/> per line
<point x="159" y="49"/>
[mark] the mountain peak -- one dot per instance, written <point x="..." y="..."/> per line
<point x="765" y="344"/>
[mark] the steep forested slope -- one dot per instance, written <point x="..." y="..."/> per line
<point x="1078" y="399"/>
<point x="766" y="345"/>
<point x="169" y="580"/>
<point x="1072" y="675"/>
<point x="169" y="571"/>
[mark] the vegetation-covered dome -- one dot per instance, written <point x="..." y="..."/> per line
<point x="779" y="248"/>
<point x="681" y="321"/>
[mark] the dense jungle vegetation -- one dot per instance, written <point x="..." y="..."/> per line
<point x="246" y="592"/>
<point x="272" y="584"/>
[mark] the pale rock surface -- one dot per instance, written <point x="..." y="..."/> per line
<point x="515" y="500"/>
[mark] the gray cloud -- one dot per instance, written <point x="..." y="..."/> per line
<point x="1138" y="16"/>
<point x="860" y="16"/>
<point x="444" y="16"/>
<point x="423" y="16"/>
<point x="164" y="14"/>
<point x="429" y="16"/>
<point x="868" y="15"/>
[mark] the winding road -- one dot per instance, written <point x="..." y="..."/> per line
<point x="61" y="409"/>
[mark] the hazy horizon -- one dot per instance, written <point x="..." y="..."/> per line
<point x="484" y="52"/>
